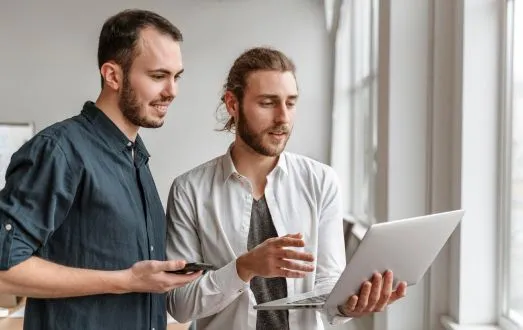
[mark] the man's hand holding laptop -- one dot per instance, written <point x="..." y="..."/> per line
<point x="374" y="296"/>
<point x="276" y="257"/>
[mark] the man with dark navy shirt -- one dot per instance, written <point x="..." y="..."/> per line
<point x="82" y="228"/>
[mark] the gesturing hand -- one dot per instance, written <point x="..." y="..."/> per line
<point x="274" y="258"/>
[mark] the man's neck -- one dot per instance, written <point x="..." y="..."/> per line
<point x="252" y="165"/>
<point x="109" y="106"/>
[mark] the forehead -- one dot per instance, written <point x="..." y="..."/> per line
<point x="158" y="50"/>
<point x="282" y="84"/>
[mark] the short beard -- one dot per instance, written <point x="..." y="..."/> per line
<point x="131" y="109"/>
<point x="255" y="141"/>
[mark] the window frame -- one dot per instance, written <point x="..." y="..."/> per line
<point x="360" y="86"/>
<point x="507" y="320"/>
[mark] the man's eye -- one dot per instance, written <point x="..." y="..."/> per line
<point x="157" y="77"/>
<point x="266" y="104"/>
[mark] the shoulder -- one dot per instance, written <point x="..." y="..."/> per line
<point x="56" y="137"/>
<point x="307" y="166"/>
<point x="60" y="135"/>
<point x="53" y="144"/>
<point x="62" y="132"/>
<point x="199" y="175"/>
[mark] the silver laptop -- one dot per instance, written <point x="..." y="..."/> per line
<point x="407" y="247"/>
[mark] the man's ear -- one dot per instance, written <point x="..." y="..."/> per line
<point x="232" y="104"/>
<point x="113" y="75"/>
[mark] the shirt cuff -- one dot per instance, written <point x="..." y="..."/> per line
<point x="14" y="249"/>
<point x="228" y="280"/>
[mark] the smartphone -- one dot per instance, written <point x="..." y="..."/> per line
<point x="193" y="267"/>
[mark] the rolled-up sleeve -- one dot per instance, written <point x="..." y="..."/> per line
<point x="39" y="191"/>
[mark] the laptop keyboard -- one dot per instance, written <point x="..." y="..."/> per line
<point x="312" y="300"/>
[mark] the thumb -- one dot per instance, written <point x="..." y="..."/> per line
<point x="171" y="265"/>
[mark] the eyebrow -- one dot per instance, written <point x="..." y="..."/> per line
<point x="276" y="97"/>
<point x="165" y="71"/>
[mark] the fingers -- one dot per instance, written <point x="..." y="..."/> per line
<point x="155" y="266"/>
<point x="174" y="265"/>
<point x="386" y="291"/>
<point x="282" y="272"/>
<point x="169" y="265"/>
<point x="400" y="292"/>
<point x="363" y="297"/>
<point x="275" y="257"/>
<point x="287" y="264"/>
<point x="350" y="305"/>
<point x="375" y="293"/>
<point x="182" y="279"/>
<point x="151" y="276"/>
<point x="295" y="255"/>
<point x="288" y="241"/>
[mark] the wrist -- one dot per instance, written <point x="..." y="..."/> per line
<point x="242" y="269"/>
<point x="118" y="282"/>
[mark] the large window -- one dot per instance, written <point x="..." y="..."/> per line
<point x="512" y="180"/>
<point x="355" y="106"/>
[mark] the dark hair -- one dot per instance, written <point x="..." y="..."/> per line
<point x="120" y="33"/>
<point x="254" y="59"/>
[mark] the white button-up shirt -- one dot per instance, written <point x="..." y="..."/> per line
<point x="208" y="219"/>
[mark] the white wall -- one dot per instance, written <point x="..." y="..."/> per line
<point x="48" y="68"/>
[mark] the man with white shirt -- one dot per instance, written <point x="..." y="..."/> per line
<point x="270" y="220"/>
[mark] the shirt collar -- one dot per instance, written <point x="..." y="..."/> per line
<point x="228" y="165"/>
<point x="110" y="132"/>
<point x="229" y="168"/>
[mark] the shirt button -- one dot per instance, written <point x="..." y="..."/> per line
<point x="153" y="329"/>
<point x="129" y="144"/>
<point x="8" y="227"/>
<point x="152" y="248"/>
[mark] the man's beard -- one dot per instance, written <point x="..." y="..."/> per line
<point x="255" y="141"/>
<point x="132" y="109"/>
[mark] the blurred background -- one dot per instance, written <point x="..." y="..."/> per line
<point x="417" y="104"/>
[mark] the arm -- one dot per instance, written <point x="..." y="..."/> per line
<point x="36" y="277"/>
<point x="41" y="184"/>
<point x="213" y="291"/>
<point x="331" y="246"/>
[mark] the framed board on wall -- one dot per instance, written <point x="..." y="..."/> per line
<point x="12" y="137"/>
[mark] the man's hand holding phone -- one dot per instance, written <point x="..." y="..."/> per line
<point x="155" y="276"/>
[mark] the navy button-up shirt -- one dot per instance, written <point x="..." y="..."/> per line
<point x="75" y="196"/>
